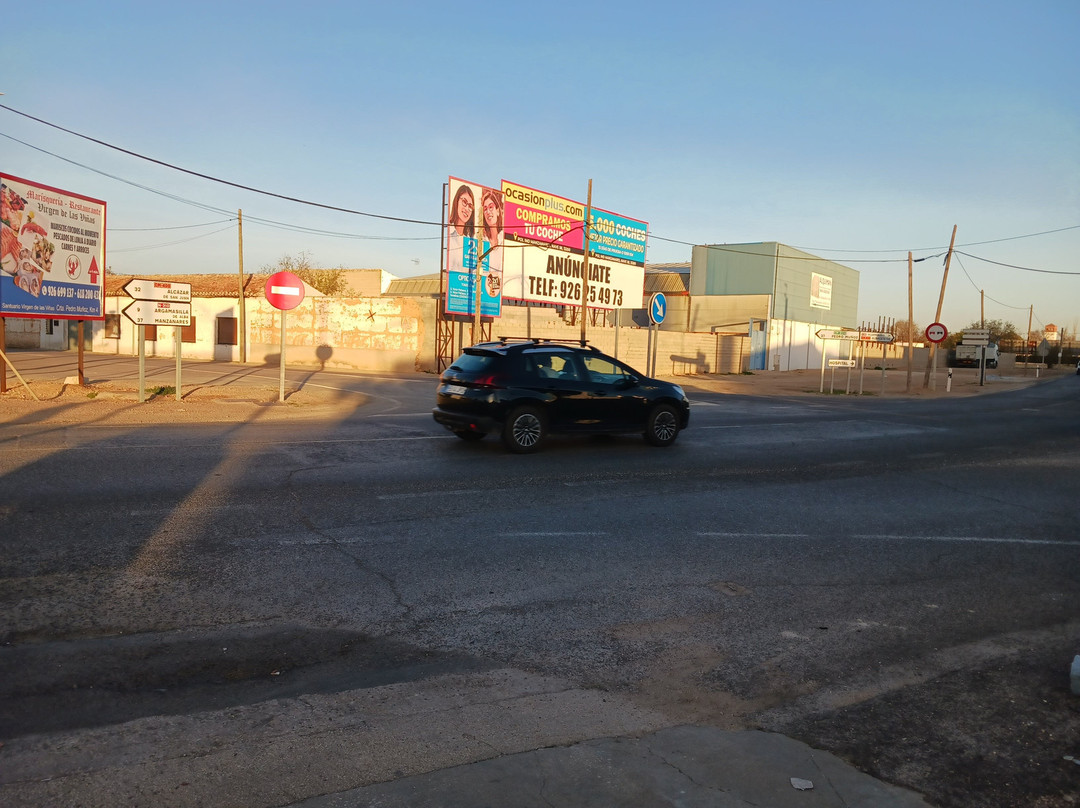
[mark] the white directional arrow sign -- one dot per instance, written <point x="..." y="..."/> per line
<point x="658" y="308"/>
<point x="144" y="289"/>
<point x="158" y="312"/>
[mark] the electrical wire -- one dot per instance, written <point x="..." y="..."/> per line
<point x="1014" y="266"/>
<point x="384" y="217"/>
<point x="113" y="250"/>
<point x="174" y="227"/>
<point x="219" y="180"/>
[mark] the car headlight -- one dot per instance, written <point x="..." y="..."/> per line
<point x="679" y="391"/>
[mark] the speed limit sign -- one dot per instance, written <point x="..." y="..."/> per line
<point x="936" y="332"/>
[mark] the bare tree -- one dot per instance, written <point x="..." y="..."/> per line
<point x="328" y="281"/>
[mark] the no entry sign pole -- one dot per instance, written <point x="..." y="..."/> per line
<point x="284" y="291"/>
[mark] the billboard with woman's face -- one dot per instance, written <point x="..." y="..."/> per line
<point x="530" y="245"/>
<point x="474" y="240"/>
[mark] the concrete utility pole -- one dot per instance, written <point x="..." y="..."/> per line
<point x="940" y="303"/>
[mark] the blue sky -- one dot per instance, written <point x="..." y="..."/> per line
<point x="854" y="130"/>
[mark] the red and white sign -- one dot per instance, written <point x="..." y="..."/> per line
<point x="284" y="290"/>
<point x="936" y="332"/>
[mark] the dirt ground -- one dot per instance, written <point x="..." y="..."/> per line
<point x="118" y="403"/>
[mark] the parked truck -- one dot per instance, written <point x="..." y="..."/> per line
<point x="968" y="356"/>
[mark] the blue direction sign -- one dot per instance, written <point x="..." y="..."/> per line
<point x="658" y="308"/>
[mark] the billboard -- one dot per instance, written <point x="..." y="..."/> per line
<point x="52" y="252"/>
<point x="474" y="235"/>
<point x="545" y="249"/>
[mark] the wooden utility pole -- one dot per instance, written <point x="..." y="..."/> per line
<point x="241" y="325"/>
<point x="585" y="265"/>
<point x="940" y="303"/>
<point x="911" y="326"/>
<point x="1027" y="338"/>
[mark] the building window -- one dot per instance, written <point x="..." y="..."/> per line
<point x="187" y="332"/>
<point x="112" y="326"/>
<point x="150" y="333"/>
<point x="226" y="331"/>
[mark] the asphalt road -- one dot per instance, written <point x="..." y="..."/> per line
<point x="892" y="580"/>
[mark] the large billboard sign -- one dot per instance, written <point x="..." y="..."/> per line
<point x="531" y="246"/>
<point x="545" y="250"/>
<point x="52" y="252"/>
<point x="474" y="235"/>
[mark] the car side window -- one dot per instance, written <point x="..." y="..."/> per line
<point x="565" y="367"/>
<point x="604" y="371"/>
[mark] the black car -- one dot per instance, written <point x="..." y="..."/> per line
<point x="524" y="389"/>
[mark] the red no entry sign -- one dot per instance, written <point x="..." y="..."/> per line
<point x="284" y="290"/>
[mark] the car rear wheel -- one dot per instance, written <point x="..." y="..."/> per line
<point x="469" y="435"/>
<point x="663" y="426"/>
<point x="524" y="430"/>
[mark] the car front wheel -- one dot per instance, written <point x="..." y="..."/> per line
<point x="524" y="430"/>
<point x="663" y="426"/>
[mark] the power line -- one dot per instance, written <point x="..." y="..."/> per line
<point x="212" y="178"/>
<point x="384" y="217"/>
<point x="1014" y="266"/>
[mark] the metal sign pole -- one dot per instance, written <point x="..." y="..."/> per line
<point x="176" y="349"/>
<point x="142" y="363"/>
<point x="281" y="373"/>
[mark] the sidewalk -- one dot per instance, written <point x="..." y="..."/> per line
<point x="695" y="767"/>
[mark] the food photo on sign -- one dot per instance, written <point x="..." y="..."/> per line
<point x="26" y="252"/>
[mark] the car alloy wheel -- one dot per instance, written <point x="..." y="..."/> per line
<point x="524" y="430"/>
<point x="663" y="426"/>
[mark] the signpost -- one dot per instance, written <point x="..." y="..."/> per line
<point x="156" y="312"/>
<point x="284" y="291"/>
<point x="852" y="336"/>
<point x="657" y="314"/>
<point x="158" y="303"/>
<point x="143" y="289"/>
<point x="936" y="333"/>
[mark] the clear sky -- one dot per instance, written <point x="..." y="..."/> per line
<point x="856" y="131"/>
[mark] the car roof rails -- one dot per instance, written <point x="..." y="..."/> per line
<point x="541" y="340"/>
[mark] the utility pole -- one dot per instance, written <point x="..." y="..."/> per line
<point x="941" y="301"/>
<point x="911" y="326"/>
<point x="585" y="265"/>
<point x="242" y="324"/>
<point x="1027" y="338"/>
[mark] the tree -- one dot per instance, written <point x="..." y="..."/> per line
<point x="328" y="281"/>
<point x="906" y="331"/>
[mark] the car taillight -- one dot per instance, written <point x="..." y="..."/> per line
<point x="492" y="380"/>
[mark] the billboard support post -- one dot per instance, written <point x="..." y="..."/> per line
<point x="585" y="263"/>
<point x="82" y="356"/>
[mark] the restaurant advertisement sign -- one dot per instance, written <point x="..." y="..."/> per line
<point x="52" y="252"/>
